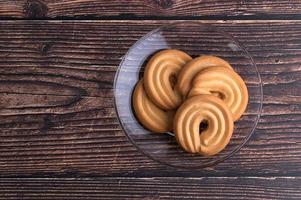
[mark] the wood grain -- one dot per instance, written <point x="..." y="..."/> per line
<point x="148" y="8"/>
<point x="57" y="115"/>
<point x="152" y="188"/>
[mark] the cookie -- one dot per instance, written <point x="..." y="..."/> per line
<point x="149" y="115"/>
<point x="193" y="67"/>
<point x="203" y="109"/>
<point x="160" y="77"/>
<point x="225" y="84"/>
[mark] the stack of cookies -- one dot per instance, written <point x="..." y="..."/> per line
<point x="198" y="99"/>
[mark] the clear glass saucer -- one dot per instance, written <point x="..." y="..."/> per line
<point x="195" y="39"/>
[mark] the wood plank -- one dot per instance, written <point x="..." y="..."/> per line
<point x="57" y="115"/>
<point x="148" y="8"/>
<point x="152" y="188"/>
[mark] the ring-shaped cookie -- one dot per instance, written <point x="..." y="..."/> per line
<point x="194" y="111"/>
<point x="160" y="74"/>
<point x="184" y="81"/>
<point x="149" y="115"/>
<point x="224" y="83"/>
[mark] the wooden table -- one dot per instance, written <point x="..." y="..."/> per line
<point x="60" y="137"/>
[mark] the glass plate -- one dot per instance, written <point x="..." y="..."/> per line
<point x="195" y="39"/>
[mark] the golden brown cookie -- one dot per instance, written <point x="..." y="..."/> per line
<point x="160" y="76"/>
<point x="203" y="109"/>
<point x="149" y="115"/>
<point x="193" y="67"/>
<point x="224" y="83"/>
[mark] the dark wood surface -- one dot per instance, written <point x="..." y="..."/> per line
<point x="59" y="133"/>
<point x="150" y="8"/>
<point x="57" y="112"/>
<point x="152" y="188"/>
